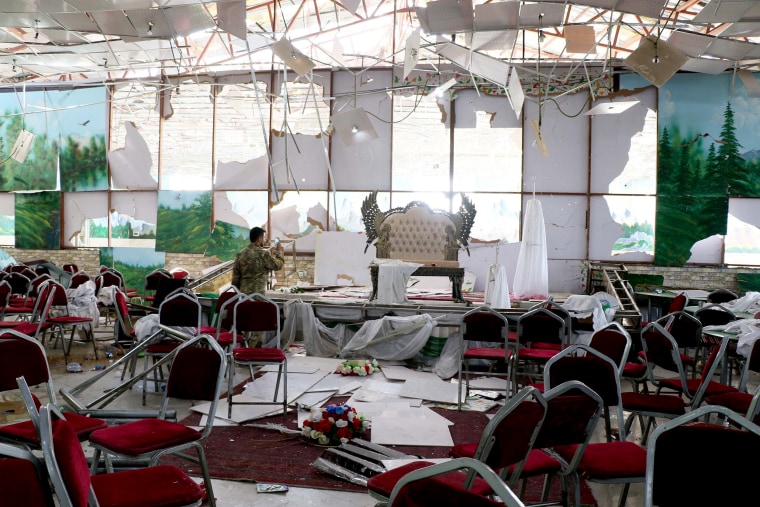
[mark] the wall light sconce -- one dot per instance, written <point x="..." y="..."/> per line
<point x="36" y="29"/>
<point x="150" y="27"/>
<point x="14" y="68"/>
<point x="353" y="127"/>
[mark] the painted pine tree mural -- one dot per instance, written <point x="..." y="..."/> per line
<point x="696" y="175"/>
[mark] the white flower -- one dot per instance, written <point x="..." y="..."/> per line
<point x="365" y="425"/>
<point x="314" y="434"/>
<point x="323" y="439"/>
<point x="341" y="423"/>
<point x="344" y="440"/>
<point x="306" y="431"/>
<point x="351" y="416"/>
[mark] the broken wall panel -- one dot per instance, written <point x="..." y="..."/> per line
<point x="371" y="159"/>
<point x="85" y="219"/>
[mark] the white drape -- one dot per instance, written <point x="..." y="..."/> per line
<point x="532" y="274"/>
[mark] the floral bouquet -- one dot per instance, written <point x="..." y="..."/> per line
<point x="333" y="425"/>
<point x="361" y="367"/>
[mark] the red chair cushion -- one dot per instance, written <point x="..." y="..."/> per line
<point x="661" y="403"/>
<point x="609" y="460"/>
<point x="21" y="484"/>
<point x="634" y="370"/>
<point x="226" y="339"/>
<point x="162" y="347"/>
<point x="256" y="354"/>
<point x="693" y="385"/>
<point x="24" y="431"/>
<point x="736" y="401"/>
<point x="383" y="484"/>
<point x="487" y="353"/>
<point x="163" y="485"/>
<point x="539" y="463"/>
<point x="536" y="354"/>
<point x="146" y="435"/>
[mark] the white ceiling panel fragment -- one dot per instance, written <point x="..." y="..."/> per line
<point x="690" y="44"/>
<point x="724" y="11"/>
<point x="553" y="14"/>
<point x="78" y="21"/>
<point x="496" y="16"/>
<point x="707" y="65"/>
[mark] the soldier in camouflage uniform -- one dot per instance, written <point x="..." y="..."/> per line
<point x="254" y="262"/>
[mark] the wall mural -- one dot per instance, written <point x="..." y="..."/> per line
<point x="184" y="221"/>
<point x="133" y="263"/>
<point x="67" y="130"/>
<point x="227" y="240"/>
<point x="708" y="151"/>
<point x="38" y="220"/>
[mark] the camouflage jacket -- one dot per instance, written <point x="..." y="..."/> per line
<point x="252" y="267"/>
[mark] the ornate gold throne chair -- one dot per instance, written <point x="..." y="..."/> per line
<point x="416" y="233"/>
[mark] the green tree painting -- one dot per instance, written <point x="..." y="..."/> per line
<point x="83" y="166"/>
<point x="69" y="134"/>
<point x="701" y="163"/>
<point x="184" y="221"/>
<point x="227" y="240"/>
<point x="38" y="220"/>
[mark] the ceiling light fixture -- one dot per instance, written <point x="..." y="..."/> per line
<point x="14" y="65"/>
<point x="354" y="129"/>
<point x="36" y="29"/>
<point x="150" y="27"/>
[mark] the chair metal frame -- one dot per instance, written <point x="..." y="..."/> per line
<point x="477" y="321"/>
<point x="525" y="344"/>
<point x="246" y="322"/>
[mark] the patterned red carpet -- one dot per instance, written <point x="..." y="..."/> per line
<point x="262" y="455"/>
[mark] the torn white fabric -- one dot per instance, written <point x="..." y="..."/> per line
<point x="748" y="330"/>
<point x="392" y="277"/>
<point x="497" y="287"/>
<point x="532" y="273"/>
<point x="83" y="303"/>
<point x="745" y="303"/>
<point x="583" y="307"/>
<point x="319" y="340"/>
<point x="146" y="326"/>
<point x="390" y="337"/>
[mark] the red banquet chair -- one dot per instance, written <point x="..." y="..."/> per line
<point x="420" y="488"/>
<point x="64" y="322"/>
<point x="196" y="374"/>
<point x="23" y="362"/>
<point x="687" y="460"/>
<point x="485" y="337"/>
<point x="505" y="441"/>
<point x="255" y="313"/>
<point x="155" y="486"/>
